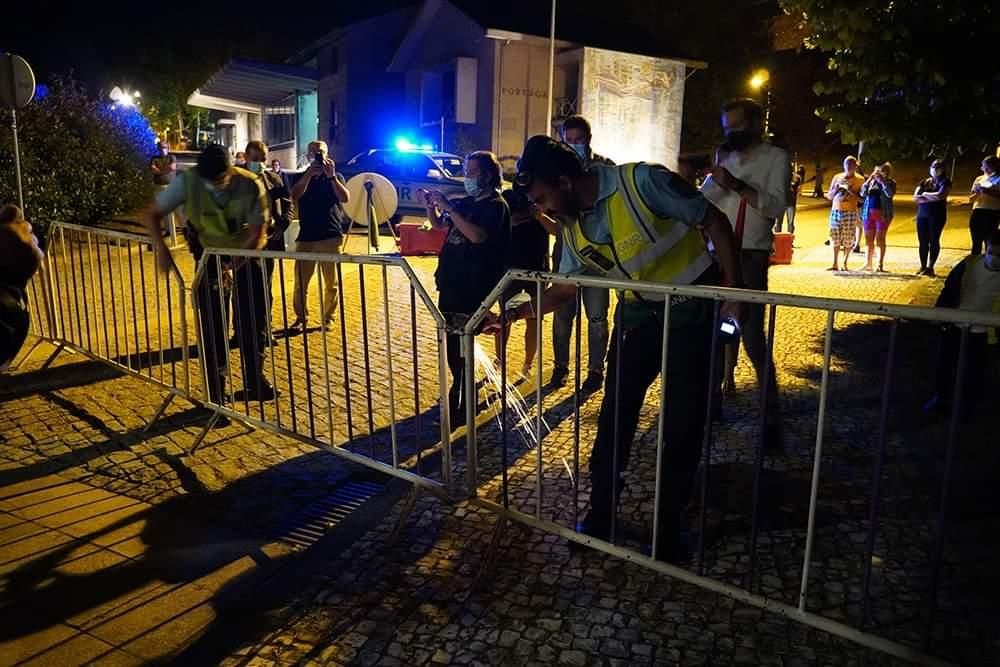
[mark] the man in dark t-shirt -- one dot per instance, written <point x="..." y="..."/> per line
<point x="472" y="259"/>
<point x="319" y="196"/>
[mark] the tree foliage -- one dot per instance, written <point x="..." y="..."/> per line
<point x="906" y="76"/>
<point x="81" y="159"/>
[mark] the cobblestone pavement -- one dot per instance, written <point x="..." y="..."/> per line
<point x="411" y="604"/>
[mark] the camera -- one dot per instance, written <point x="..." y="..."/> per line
<point x="517" y="201"/>
<point x="318" y="159"/>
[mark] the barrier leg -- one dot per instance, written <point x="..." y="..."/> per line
<point x="17" y="363"/>
<point x="491" y="551"/>
<point x="404" y="515"/>
<point x="159" y="412"/>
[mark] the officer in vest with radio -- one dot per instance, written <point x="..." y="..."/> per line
<point x="225" y="207"/>
<point x="639" y="222"/>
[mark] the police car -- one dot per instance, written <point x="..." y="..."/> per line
<point x="410" y="169"/>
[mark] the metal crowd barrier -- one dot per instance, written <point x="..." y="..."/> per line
<point x="367" y="387"/>
<point x="366" y="379"/>
<point x="100" y="295"/>
<point x="522" y="484"/>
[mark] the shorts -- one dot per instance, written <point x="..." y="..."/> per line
<point x="876" y="221"/>
<point x="519" y="287"/>
<point x="842" y="225"/>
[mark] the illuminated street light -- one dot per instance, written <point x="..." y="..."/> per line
<point x="762" y="79"/>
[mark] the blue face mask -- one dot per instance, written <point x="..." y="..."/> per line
<point x="581" y="150"/>
<point x="256" y="167"/>
<point x="472" y="186"/>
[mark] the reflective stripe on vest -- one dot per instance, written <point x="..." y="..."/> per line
<point x="217" y="227"/>
<point x="644" y="246"/>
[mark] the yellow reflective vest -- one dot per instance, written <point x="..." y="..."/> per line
<point x="972" y="279"/>
<point x="225" y="227"/>
<point x="644" y="246"/>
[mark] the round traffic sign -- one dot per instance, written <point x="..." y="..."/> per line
<point x="17" y="81"/>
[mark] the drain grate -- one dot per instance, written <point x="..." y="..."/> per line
<point x="308" y="526"/>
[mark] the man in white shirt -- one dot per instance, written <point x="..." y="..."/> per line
<point x="750" y="184"/>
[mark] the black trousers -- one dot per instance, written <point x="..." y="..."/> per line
<point x="929" y="230"/>
<point x="250" y="319"/>
<point x="456" y="307"/>
<point x="687" y="383"/>
<point x="976" y="370"/>
<point x="982" y="223"/>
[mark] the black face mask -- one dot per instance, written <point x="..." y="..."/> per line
<point x="739" y="140"/>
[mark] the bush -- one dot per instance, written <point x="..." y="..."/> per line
<point x="81" y="159"/>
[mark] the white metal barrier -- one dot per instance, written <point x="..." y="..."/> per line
<point x="519" y="485"/>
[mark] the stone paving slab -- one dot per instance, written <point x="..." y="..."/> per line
<point x="406" y="604"/>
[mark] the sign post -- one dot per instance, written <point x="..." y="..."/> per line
<point x="17" y="88"/>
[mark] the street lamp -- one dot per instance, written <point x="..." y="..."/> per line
<point x="762" y="79"/>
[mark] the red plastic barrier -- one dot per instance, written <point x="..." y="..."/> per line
<point x="413" y="240"/>
<point x="782" y="248"/>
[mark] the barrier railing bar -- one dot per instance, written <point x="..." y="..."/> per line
<point x="538" y="400"/>
<point x="578" y="320"/>
<point x="416" y="384"/>
<point x="85" y="294"/>
<point x="303" y="299"/>
<point x="135" y="308"/>
<point x="758" y="469"/>
<point x="343" y="343"/>
<point x="247" y="269"/>
<point x="392" y="378"/>
<point x="69" y="262"/>
<point x="958" y="394"/>
<point x="121" y="282"/>
<point x="100" y="285"/>
<point x="268" y="280"/>
<point x="445" y="411"/>
<point x="170" y="328"/>
<point x="56" y="277"/>
<point x="288" y="343"/>
<point x="706" y="438"/>
<point x="616" y="439"/>
<point x="949" y="315"/>
<point x="504" y="415"/>
<point x="145" y="311"/>
<point x="883" y="427"/>
<point x="367" y="359"/>
<point x="157" y="279"/>
<point x="471" y="401"/>
<point x="660" y="428"/>
<point x="326" y="354"/>
<point x="817" y="460"/>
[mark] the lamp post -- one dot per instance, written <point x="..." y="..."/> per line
<point x="762" y="79"/>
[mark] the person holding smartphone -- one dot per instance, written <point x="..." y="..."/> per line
<point x="319" y="196"/>
<point x="472" y="260"/>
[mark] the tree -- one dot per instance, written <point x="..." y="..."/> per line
<point x="81" y="159"/>
<point x="906" y="75"/>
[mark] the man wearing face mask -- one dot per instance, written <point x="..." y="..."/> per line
<point x="638" y="222"/>
<point x="750" y="184"/>
<point x="472" y="259"/>
<point x="576" y="133"/>
<point x="281" y="204"/>
<point x="319" y="195"/>
<point x="225" y="207"/>
<point x="973" y="285"/>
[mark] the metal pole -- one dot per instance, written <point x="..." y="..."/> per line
<point x="552" y="66"/>
<point x="817" y="461"/>
<point x="17" y="149"/>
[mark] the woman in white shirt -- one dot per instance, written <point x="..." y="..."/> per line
<point x="985" y="198"/>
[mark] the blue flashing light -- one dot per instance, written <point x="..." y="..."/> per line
<point x="404" y="144"/>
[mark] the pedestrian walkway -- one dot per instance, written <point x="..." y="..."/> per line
<point x="122" y="544"/>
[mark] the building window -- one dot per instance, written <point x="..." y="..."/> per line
<point x="333" y="123"/>
<point x="279" y="123"/>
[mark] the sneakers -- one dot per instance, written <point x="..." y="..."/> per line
<point x="263" y="392"/>
<point x="593" y="382"/>
<point x="559" y="375"/>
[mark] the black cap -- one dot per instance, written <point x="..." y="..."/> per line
<point x="538" y="149"/>
<point x="213" y="162"/>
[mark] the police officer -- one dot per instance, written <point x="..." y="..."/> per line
<point x="639" y="222"/>
<point x="225" y="207"/>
